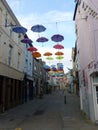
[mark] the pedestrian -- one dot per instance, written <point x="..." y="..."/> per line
<point x="64" y="96"/>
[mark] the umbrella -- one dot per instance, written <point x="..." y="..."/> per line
<point x="58" y="46"/>
<point x="36" y="54"/>
<point x="46" y="67"/>
<point x="47" y="54"/>
<point x="53" y="66"/>
<point x="32" y="49"/>
<point x="54" y="69"/>
<point x="42" y="39"/>
<point x="59" y="57"/>
<point x="38" y="28"/>
<point x="57" y="38"/>
<point x="19" y="29"/>
<point x="59" y="53"/>
<point x="49" y="58"/>
<point x="26" y="40"/>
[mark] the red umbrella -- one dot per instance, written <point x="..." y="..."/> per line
<point x="58" y="46"/>
<point x="32" y="49"/>
<point x="57" y="38"/>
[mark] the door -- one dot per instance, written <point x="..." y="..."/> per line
<point x="97" y="98"/>
<point x="96" y="101"/>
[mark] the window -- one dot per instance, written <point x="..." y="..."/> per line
<point x="6" y="19"/>
<point x="26" y="65"/>
<point x="18" y="62"/>
<point x="10" y="55"/>
<point x="0" y="16"/>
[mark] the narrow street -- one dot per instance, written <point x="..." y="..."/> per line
<point x="48" y="113"/>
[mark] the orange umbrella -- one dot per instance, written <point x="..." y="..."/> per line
<point x="36" y="54"/>
<point x="59" y="53"/>
<point x="47" y="54"/>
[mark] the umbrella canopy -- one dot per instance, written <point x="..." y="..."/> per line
<point x="32" y="49"/>
<point x="59" y="53"/>
<point x="46" y="67"/>
<point x="59" y="57"/>
<point x="49" y="58"/>
<point x="26" y="40"/>
<point x="42" y="39"/>
<point x="19" y="29"/>
<point x="57" y="38"/>
<point x="58" y="46"/>
<point x="53" y="66"/>
<point x="36" y="54"/>
<point x="38" y="28"/>
<point x="47" y="54"/>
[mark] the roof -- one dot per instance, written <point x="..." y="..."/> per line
<point x="75" y="11"/>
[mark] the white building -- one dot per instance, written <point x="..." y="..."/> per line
<point x="86" y="23"/>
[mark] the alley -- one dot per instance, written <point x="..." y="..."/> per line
<point x="48" y="113"/>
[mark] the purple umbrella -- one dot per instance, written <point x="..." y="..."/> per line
<point x="57" y="38"/>
<point x="19" y="29"/>
<point x="26" y="40"/>
<point x="42" y="39"/>
<point x="38" y="28"/>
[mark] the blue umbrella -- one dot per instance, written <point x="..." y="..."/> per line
<point x="19" y="29"/>
<point x="38" y="28"/>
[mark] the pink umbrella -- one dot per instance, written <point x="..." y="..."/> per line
<point x="58" y="46"/>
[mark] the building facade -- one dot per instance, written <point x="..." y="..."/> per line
<point x="40" y="77"/>
<point x="86" y="24"/>
<point x="11" y="59"/>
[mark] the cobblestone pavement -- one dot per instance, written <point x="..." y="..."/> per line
<point x="48" y="113"/>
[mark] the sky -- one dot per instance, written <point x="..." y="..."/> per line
<point x="56" y="16"/>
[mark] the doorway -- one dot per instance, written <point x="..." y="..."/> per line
<point x="96" y="101"/>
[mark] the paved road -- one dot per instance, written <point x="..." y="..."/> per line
<point x="49" y="113"/>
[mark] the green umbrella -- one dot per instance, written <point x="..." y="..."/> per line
<point x="49" y="58"/>
<point x="59" y="57"/>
